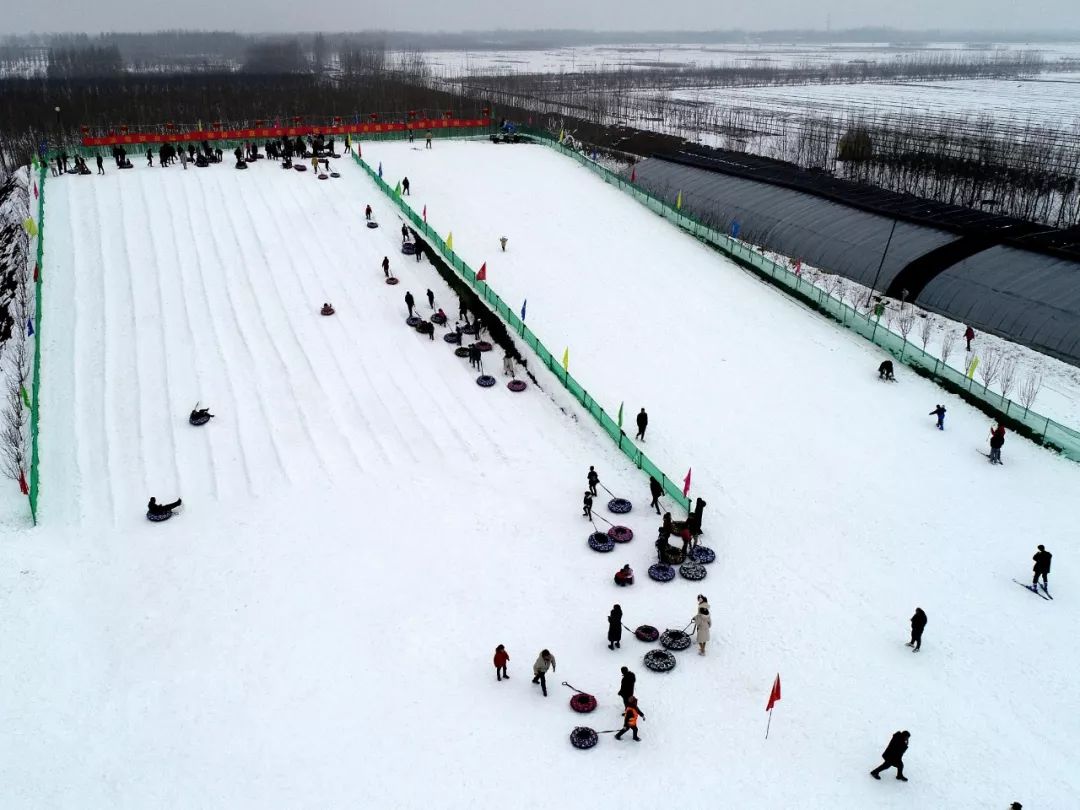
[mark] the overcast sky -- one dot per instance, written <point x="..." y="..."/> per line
<point x="457" y="15"/>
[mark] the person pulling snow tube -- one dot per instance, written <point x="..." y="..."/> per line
<point x="392" y="281"/>
<point x="620" y="506"/>
<point x="461" y="351"/>
<point x="647" y="633"/>
<point x="661" y="572"/>
<point x="581" y="702"/>
<point x="452" y="337"/>
<point x="703" y="555"/>
<point x="659" y="660"/>
<point x="517" y="386"/>
<point x="675" y="640"/>
<point x="620" y="534"/>
<point x="583" y="738"/>
<point x="598" y="541"/>
<point x="485" y="381"/>
<point x="413" y="320"/>
<point x="692" y="570"/>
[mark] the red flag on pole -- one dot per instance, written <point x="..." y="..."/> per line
<point x="774" y="695"/>
<point x="22" y="483"/>
<point x="482" y="275"/>
<point x="686" y="482"/>
<point x="633" y="174"/>
<point x="425" y="213"/>
<point x="35" y="191"/>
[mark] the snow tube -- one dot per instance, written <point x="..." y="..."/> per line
<point x="485" y="381"/>
<point x="241" y="165"/>
<point x="439" y="319"/>
<point x="675" y="640"/>
<point x="598" y="541"/>
<point x="300" y="167"/>
<point x="461" y="351"/>
<point x="392" y="281"/>
<point x="408" y="248"/>
<point x="582" y="703"/>
<point x="661" y="573"/>
<point x="158" y="518"/>
<point x="452" y="337"/>
<point x="483" y="346"/>
<point x="620" y="506"/>
<point x="199" y="419"/>
<point x="620" y="534"/>
<point x="324" y="176"/>
<point x="469" y="329"/>
<point x="335" y="175"/>
<point x="583" y="737"/>
<point x="660" y="660"/>
<point x="326" y="312"/>
<point x="647" y="633"/>
<point x="692" y="570"/>
<point x="413" y="320"/>
<point x="372" y="223"/>
<point x="703" y="555"/>
<point x="517" y="386"/>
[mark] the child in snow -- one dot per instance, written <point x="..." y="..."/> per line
<point x="367" y="213"/>
<point x="501" y="657"/>
<point x="502" y="242"/>
<point x="997" y="440"/>
<point x="624" y="576"/>
<point x="630" y="718"/>
<point x="593" y="480"/>
<point x="939" y="412"/>
<point x="885" y="370"/>
<point x="587" y="510"/>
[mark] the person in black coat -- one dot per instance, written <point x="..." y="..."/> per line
<point x="1042" y="567"/>
<point x="656" y="491"/>
<point x="100" y="165"/>
<point x="893" y="756"/>
<point x="626" y="686"/>
<point x="410" y="302"/>
<point x="642" y="423"/>
<point x="405" y="186"/>
<point x="587" y="505"/>
<point x="918" y="624"/>
<point x="158" y="509"/>
<point x="431" y="299"/>
<point x="614" y="627"/>
<point x="386" y="266"/>
<point x="885" y="370"/>
<point x="593" y="480"/>
<point x="404" y="233"/>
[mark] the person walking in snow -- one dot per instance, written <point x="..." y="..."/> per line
<point x="969" y="335"/>
<point x="386" y="266"/>
<point x="404" y="233"/>
<point x="367" y="213"/>
<point x="501" y="657"/>
<point x="431" y="299"/>
<point x="149" y="157"/>
<point x="626" y="686"/>
<point x="474" y="356"/>
<point x="997" y="441"/>
<point x="427" y="145"/>
<point x="544" y="661"/>
<point x="100" y="165"/>
<point x="508" y="365"/>
<point x="642" y="423"/>
<point x="410" y="302"/>
<point x="702" y="629"/>
<point x="478" y="324"/>
<point x="405" y="187"/>
<point x="593" y="480"/>
<point x="614" y="627"/>
<point x="502" y="242"/>
<point x="587" y="505"/>
<point x="630" y="719"/>
<point x="893" y="756"/>
<point x="939" y="412"/>
<point x="656" y="491"/>
<point x="1042" y="567"/>
<point x="918" y="624"/>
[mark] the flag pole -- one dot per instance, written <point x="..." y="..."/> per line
<point x="768" y="724"/>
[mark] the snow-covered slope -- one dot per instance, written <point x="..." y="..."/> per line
<point x="363" y="524"/>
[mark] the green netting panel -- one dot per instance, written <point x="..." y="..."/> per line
<point x="35" y="473"/>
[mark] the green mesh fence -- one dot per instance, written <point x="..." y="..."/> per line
<point x="1050" y="433"/>
<point x="497" y="305"/>
<point x="35" y="473"/>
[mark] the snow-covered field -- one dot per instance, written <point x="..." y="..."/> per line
<point x="363" y="524"/>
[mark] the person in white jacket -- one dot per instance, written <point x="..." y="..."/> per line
<point x="544" y="661"/>
<point x="702" y="627"/>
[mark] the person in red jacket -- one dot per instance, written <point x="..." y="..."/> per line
<point x="501" y="657"/>
<point x="969" y="335"/>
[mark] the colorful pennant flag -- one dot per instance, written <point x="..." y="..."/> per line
<point x="678" y="201"/>
<point x="524" y="304"/>
<point x="686" y="482"/>
<point x="566" y="359"/>
<point x="450" y="241"/>
<point x="482" y="275"/>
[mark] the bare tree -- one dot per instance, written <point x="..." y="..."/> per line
<point x="926" y="329"/>
<point x="1007" y="379"/>
<point x="990" y="367"/>
<point x="1029" y="388"/>
<point x="948" y="343"/>
<point x="13" y="423"/>
<point x="905" y="323"/>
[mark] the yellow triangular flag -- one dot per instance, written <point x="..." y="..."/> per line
<point x="30" y="226"/>
<point x="678" y="201"/>
<point x="566" y="359"/>
<point x="562" y="135"/>
<point x="450" y="241"/>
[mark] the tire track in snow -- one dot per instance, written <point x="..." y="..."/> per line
<point x="240" y="426"/>
<point x="331" y="402"/>
<point x="250" y="365"/>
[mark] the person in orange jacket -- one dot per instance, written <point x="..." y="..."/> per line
<point x="630" y="718"/>
<point x="501" y="657"/>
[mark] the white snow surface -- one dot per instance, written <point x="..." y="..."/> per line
<point x="363" y="524"/>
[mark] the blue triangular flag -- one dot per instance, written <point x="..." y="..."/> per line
<point x="524" y="304"/>
<point x="29" y="328"/>
<point x="380" y="168"/>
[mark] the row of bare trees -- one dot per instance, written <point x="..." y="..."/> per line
<point x="17" y="308"/>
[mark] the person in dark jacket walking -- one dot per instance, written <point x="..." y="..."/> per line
<point x="969" y="335"/>
<point x="431" y="299"/>
<point x="386" y="266"/>
<point x="476" y="358"/>
<point x="630" y="718"/>
<point x="918" y="624"/>
<point x="642" y="423"/>
<point x="997" y="441"/>
<point x="501" y="657"/>
<point x="939" y="412"/>
<point x="626" y="686"/>
<point x="614" y="628"/>
<point x="100" y="165"/>
<point x="405" y="187"/>
<point x="410" y="302"/>
<point x="404" y="233"/>
<point x="1042" y="567"/>
<point x="893" y="756"/>
<point x="587" y="505"/>
<point x="593" y="480"/>
<point x="656" y="491"/>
